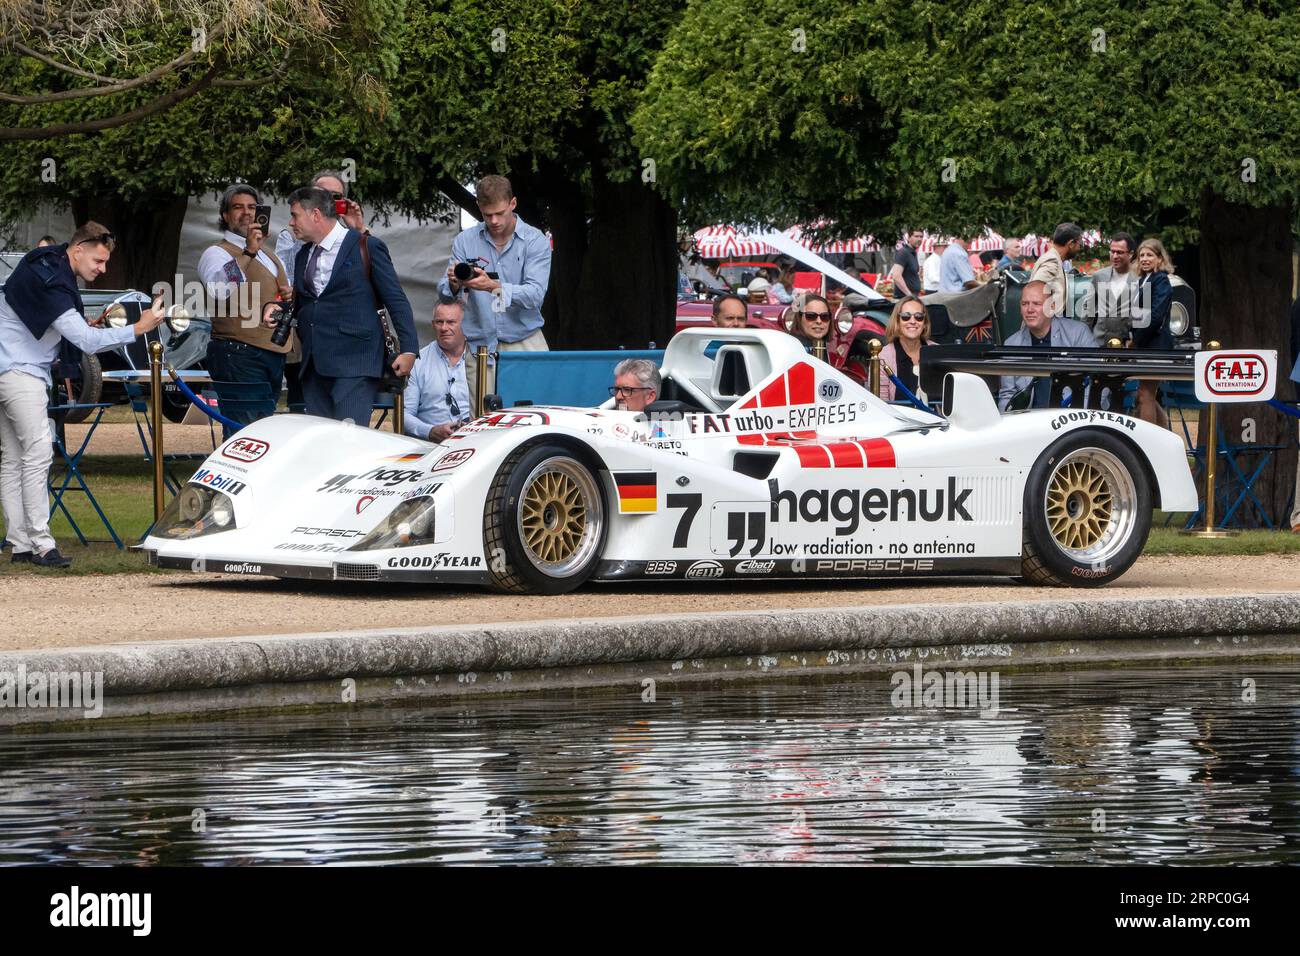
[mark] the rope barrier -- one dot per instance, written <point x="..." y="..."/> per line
<point x="202" y="406"/>
<point x="907" y="393"/>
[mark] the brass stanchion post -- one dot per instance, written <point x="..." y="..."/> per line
<point x="155" y="388"/>
<point x="873" y="368"/>
<point x="819" y="349"/>
<point x="399" y="412"/>
<point x="480" y="380"/>
<point x="1211" y="471"/>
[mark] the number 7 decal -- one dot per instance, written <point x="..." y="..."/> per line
<point x="691" y="504"/>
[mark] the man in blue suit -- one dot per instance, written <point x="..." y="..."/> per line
<point x="335" y="304"/>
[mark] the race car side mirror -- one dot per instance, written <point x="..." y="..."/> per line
<point x="492" y="403"/>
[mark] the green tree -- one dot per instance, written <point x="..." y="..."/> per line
<point x="1174" y="117"/>
<point x="270" y="75"/>
<point x="542" y="92"/>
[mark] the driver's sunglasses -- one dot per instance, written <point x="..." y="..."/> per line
<point x="452" y="406"/>
<point x="616" y="390"/>
<point x="104" y="238"/>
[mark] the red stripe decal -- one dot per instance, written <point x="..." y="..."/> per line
<point x="880" y="453"/>
<point x="813" y="456"/>
<point x="845" y="454"/>
<point x="801" y="384"/>
<point x="773" y="396"/>
<point x="750" y="439"/>
<point x="752" y="403"/>
<point x="637" y="491"/>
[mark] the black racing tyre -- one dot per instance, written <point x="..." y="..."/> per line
<point x="92" y="387"/>
<point x="1087" y="511"/>
<point x="544" y="524"/>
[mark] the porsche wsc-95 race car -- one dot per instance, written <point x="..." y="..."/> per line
<point x="759" y="462"/>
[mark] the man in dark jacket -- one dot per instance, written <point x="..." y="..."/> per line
<point x="335" y="303"/>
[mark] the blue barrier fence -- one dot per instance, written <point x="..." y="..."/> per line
<point x="562" y="378"/>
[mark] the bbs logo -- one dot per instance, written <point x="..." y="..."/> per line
<point x="829" y="390"/>
<point x="661" y="567"/>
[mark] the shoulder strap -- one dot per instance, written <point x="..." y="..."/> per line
<point x="364" y="243"/>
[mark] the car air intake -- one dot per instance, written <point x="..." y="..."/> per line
<point x="356" y="572"/>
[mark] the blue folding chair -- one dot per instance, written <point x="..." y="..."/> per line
<point x="73" y="479"/>
<point x="140" y="411"/>
<point x="234" y="399"/>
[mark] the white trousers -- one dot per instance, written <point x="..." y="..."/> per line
<point x="25" y="454"/>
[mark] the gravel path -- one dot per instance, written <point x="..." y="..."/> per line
<point x="51" y="611"/>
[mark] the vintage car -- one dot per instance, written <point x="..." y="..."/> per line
<point x="758" y="463"/>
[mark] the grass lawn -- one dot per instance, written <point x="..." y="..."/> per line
<point x="124" y="490"/>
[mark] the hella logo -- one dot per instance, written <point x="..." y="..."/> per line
<point x="704" y="569"/>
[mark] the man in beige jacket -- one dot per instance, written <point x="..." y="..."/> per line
<point x="1067" y="239"/>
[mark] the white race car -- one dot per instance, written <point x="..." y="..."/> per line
<point x="758" y="462"/>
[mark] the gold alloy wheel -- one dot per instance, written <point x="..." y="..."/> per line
<point x="1090" y="505"/>
<point x="560" y="516"/>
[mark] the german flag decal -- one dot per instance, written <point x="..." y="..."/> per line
<point x="413" y="456"/>
<point x="638" y="491"/>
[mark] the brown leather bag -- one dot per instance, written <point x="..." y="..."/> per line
<point x="389" y="381"/>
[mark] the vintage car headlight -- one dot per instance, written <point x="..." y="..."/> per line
<point x="1179" y="320"/>
<point x="844" y="323"/>
<point x="196" y="511"/>
<point x="409" y="525"/>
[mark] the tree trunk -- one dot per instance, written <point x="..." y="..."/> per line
<point x="1244" y="302"/>
<point x="148" y="239"/>
<point x="629" y="275"/>
<point x="614" y="259"/>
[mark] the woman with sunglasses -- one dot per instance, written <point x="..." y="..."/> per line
<point x="812" y="323"/>
<point x="908" y="330"/>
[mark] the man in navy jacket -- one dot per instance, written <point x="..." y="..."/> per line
<point x="335" y="304"/>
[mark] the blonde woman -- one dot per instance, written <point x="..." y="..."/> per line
<point x="1151" y="320"/>
<point x="908" y="330"/>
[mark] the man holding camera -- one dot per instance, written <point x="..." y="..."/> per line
<point x="503" y="265"/>
<point x="241" y="276"/>
<point x="40" y="307"/>
<point x="336" y="297"/>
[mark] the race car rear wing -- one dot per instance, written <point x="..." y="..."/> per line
<point x="1106" y="368"/>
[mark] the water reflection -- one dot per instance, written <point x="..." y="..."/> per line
<point x="1099" y="766"/>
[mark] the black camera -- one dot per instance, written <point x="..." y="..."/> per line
<point x="282" y="312"/>
<point x="464" y="270"/>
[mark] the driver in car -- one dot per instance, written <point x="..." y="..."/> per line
<point x="636" y="384"/>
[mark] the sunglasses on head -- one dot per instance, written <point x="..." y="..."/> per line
<point x="104" y="238"/>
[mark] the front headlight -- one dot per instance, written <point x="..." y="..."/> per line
<point x="409" y="525"/>
<point x="1179" y="320"/>
<point x="196" y="511"/>
<point x="844" y="323"/>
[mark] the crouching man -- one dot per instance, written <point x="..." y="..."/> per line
<point x="39" y="308"/>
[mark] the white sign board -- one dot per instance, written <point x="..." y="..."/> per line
<point x="1236" y="375"/>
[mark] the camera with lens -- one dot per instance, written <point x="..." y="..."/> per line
<point x="464" y="270"/>
<point x="282" y="313"/>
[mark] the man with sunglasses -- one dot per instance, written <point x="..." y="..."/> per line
<point x="437" y="394"/>
<point x="39" y="308"/>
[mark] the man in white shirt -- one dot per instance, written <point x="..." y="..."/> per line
<point x="437" y="394"/>
<point x="933" y="267"/>
<point x="955" y="270"/>
<point x="241" y="277"/>
<point x="39" y="308"/>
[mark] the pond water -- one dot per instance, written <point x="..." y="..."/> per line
<point x="1184" y="764"/>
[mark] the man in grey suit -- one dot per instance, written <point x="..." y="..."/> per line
<point x="336" y="304"/>
<point x="1040" y="330"/>
<point x="1109" y="305"/>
